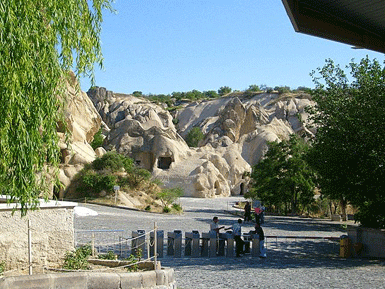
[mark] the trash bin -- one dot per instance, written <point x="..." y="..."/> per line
<point x="345" y="246"/>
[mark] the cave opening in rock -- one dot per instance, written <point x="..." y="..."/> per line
<point x="242" y="189"/>
<point x="164" y="162"/>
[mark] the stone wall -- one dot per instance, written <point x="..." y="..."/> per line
<point x="52" y="232"/>
<point x="372" y="240"/>
<point x="97" y="280"/>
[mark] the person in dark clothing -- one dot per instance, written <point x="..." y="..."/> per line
<point x="262" y="248"/>
<point x="247" y="212"/>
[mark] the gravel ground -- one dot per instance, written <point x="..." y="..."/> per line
<point x="291" y="263"/>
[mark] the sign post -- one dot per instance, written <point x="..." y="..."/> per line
<point x="116" y="189"/>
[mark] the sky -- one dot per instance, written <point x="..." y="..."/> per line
<point x="162" y="46"/>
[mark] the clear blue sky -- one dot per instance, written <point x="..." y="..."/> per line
<point x="161" y="46"/>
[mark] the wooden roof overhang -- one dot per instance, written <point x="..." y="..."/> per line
<point x="360" y="23"/>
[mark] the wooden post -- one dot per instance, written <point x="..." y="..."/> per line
<point x="29" y="248"/>
<point x="155" y="247"/>
<point x="93" y="245"/>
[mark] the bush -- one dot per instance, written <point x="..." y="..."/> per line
<point x="177" y="207"/>
<point x="282" y="89"/>
<point x="166" y="210"/>
<point x="2" y="267"/>
<point x="78" y="260"/>
<point x="92" y="183"/>
<point x="194" y="136"/>
<point x="168" y="196"/>
<point x="98" y="140"/>
<point x="253" y="87"/>
<point x="114" y="162"/>
<point x="224" y="90"/>
<point x="110" y="255"/>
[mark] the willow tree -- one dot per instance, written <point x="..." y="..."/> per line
<point x="40" y="41"/>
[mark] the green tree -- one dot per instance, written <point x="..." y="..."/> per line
<point x="168" y="196"/>
<point x="211" y="94"/>
<point x="283" y="177"/>
<point x="282" y="89"/>
<point x="348" y="151"/>
<point x="137" y="93"/>
<point x="224" y="90"/>
<point x="253" y="87"/>
<point x="194" y="136"/>
<point x="40" y="41"/>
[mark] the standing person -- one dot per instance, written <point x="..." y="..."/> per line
<point x="214" y="226"/>
<point x="237" y="232"/>
<point x="247" y="212"/>
<point x="262" y="214"/>
<point x="262" y="248"/>
<point x="257" y="214"/>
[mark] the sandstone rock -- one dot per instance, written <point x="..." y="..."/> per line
<point x="100" y="151"/>
<point x="237" y="130"/>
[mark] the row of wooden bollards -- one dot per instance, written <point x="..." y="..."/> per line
<point x="196" y="244"/>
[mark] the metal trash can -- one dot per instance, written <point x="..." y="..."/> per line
<point x="138" y="242"/>
<point x="174" y="243"/>
<point x="191" y="247"/>
<point x="345" y="246"/>
<point x="159" y="243"/>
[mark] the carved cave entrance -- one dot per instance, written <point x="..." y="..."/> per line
<point x="164" y="163"/>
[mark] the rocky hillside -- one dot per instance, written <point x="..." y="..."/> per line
<point x="236" y="129"/>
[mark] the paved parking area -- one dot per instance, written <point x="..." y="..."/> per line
<point x="291" y="263"/>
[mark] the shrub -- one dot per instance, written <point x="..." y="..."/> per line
<point x="98" y="140"/>
<point x="148" y="208"/>
<point x="168" y="196"/>
<point x="166" y="210"/>
<point x="2" y="267"/>
<point x="177" y="207"/>
<point x="114" y="162"/>
<point x="253" y="87"/>
<point x="282" y="89"/>
<point x="194" y="136"/>
<point x="134" y="178"/>
<point x="110" y="255"/>
<point x="77" y="260"/>
<point x="92" y="183"/>
<point x="224" y="90"/>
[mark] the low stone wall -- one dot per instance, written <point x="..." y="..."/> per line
<point x="373" y="241"/>
<point x="52" y="235"/>
<point x="150" y="279"/>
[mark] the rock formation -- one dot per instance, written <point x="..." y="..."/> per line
<point x="83" y="121"/>
<point x="237" y="129"/>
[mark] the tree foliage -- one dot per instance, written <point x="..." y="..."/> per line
<point x="108" y="171"/>
<point x="168" y="196"/>
<point x="194" y="136"/>
<point x="224" y="90"/>
<point x="40" y="41"/>
<point x="348" y="151"/>
<point x="283" y="177"/>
